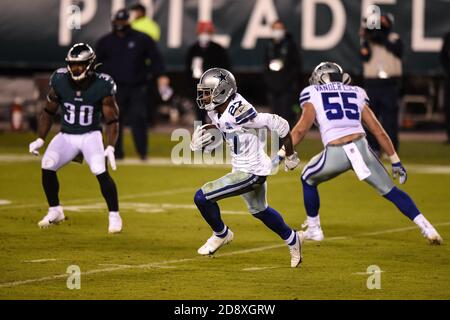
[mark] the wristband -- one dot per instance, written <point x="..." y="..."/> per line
<point x="394" y="158"/>
<point x="282" y="152"/>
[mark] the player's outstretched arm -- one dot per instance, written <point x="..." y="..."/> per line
<point x="304" y="123"/>
<point x="111" y="117"/>
<point x="373" y="125"/>
<point x="47" y="115"/>
<point x="45" y="121"/>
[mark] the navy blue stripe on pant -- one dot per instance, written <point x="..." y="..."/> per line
<point x="235" y="189"/>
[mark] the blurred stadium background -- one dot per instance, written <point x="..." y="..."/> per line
<point x="36" y="38"/>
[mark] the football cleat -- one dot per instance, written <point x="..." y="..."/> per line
<point x="54" y="216"/>
<point x="296" y="249"/>
<point x="313" y="232"/>
<point x="115" y="224"/>
<point x="214" y="243"/>
<point x="432" y="235"/>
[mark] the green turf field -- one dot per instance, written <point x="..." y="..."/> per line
<point x="155" y="256"/>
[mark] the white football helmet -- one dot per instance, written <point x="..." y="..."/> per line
<point x="327" y="72"/>
<point x="218" y="84"/>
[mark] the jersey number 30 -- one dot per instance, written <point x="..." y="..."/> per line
<point x="85" y="114"/>
<point x="337" y="110"/>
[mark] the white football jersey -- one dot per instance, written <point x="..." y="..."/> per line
<point x="338" y="109"/>
<point x="239" y="125"/>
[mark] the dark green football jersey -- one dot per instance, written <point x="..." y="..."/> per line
<point x="81" y="109"/>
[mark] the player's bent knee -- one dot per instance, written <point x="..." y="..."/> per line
<point x="260" y="213"/>
<point x="199" y="197"/>
<point x="307" y="182"/>
<point x="256" y="210"/>
<point x="98" y="165"/>
<point x="50" y="161"/>
<point x="385" y="191"/>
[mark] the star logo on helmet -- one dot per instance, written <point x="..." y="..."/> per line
<point x="222" y="77"/>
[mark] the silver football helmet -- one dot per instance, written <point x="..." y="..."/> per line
<point x="215" y="86"/>
<point x="327" y="72"/>
<point x="80" y="53"/>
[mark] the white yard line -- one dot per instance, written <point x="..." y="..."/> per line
<point x="142" y="207"/>
<point x="260" y="268"/>
<point x="39" y="260"/>
<point x="166" y="262"/>
<point x="130" y="196"/>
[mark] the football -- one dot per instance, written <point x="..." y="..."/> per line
<point x="216" y="136"/>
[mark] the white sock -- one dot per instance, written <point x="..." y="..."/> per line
<point x="291" y="238"/>
<point x="221" y="233"/>
<point x="57" y="208"/>
<point x="313" y="221"/>
<point x="114" y="214"/>
<point x="422" y="222"/>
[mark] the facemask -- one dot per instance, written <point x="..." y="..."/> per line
<point x="204" y="39"/>
<point x="278" y="34"/>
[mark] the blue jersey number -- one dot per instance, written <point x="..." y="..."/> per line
<point x="336" y="110"/>
<point x="232" y="109"/>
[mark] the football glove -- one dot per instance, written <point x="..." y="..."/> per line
<point x="35" y="145"/>
<point x="399" y="171"/>
<point x="291" y="162"/>
<point x="200" y="138"/>
<point x="109" y="154"/>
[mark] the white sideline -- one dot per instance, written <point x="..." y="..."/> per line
<point x="162" y="263"/>
<point x="167" y="162"/>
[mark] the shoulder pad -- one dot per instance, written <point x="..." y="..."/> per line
<point x="58" y="74"/>
<point x="305" y="95"/>
<point x="243" y="112"/>
<point x="111" y="88"/>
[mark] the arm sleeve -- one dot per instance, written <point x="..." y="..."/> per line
<point x="271" y="121"/>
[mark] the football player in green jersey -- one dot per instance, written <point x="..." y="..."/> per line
<point x="85" y="97"/>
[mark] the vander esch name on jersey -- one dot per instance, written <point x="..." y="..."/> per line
<point x="335" y="86"/>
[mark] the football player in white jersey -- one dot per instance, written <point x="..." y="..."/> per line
<point x="238" y="122"/>
<point x="340" y="110"/>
